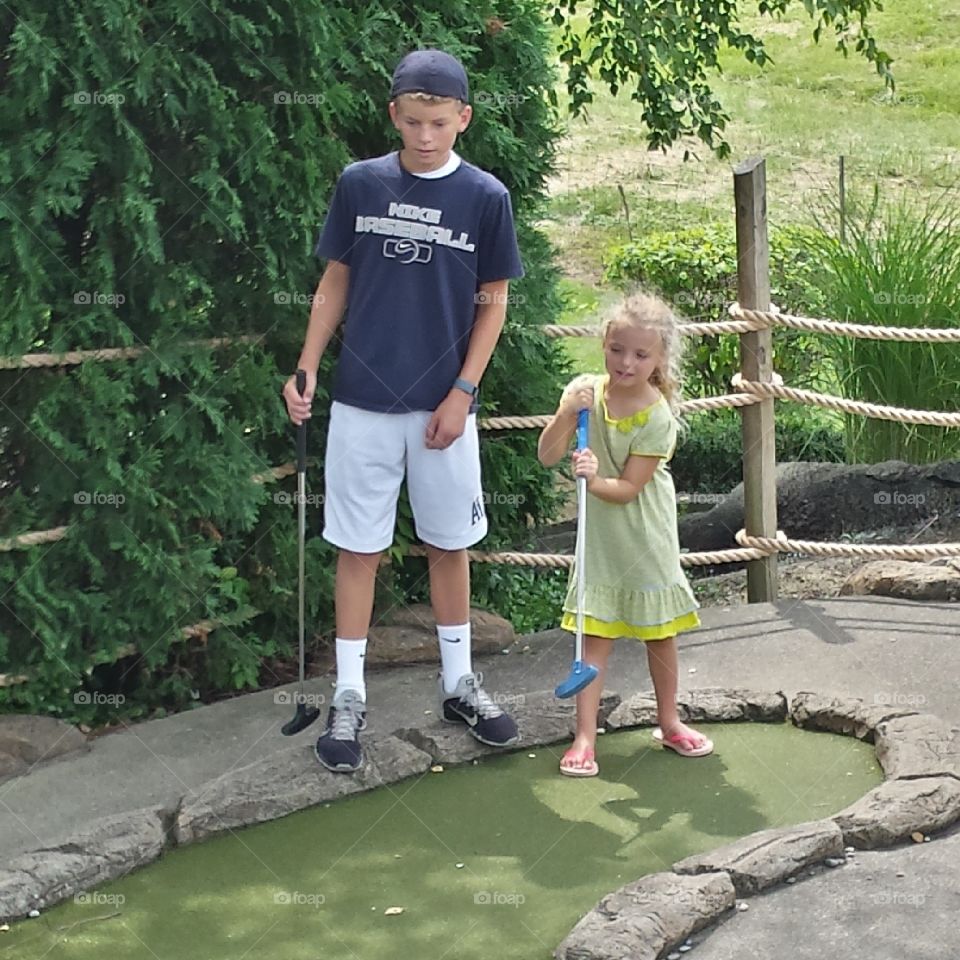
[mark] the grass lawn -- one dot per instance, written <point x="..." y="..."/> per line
<point x="802" y="112"/>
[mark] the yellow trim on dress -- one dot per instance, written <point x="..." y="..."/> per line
<point x="616" y="629"/>
<point x="625" y="424"/>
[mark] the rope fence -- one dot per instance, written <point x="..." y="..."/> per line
<point x="754" y="394"/>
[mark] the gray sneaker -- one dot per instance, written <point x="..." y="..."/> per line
<point x="470" y="704"/>
<point x="338" y="747"/>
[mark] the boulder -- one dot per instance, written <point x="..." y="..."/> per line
<point x="289" y="780"/>
<point x="844" y="715"/>
<point x="768" y="857"/>
<point x="409" y="635"/>
<point x="541" y="719"/>
<point x="905" y="580"/>
<point x="706" y="705"/>
<point x="896" y="809"/>
<point x="918" y="746"/>
<point x="105" y="849"/>
<point x="642" y="919"/>
<point x="26" y="740"/>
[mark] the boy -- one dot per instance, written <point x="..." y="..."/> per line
<point x="420" y="249"/>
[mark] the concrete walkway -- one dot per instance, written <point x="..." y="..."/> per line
<point x="882" y="651"/>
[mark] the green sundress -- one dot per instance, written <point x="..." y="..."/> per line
<point x="635" y="586"/>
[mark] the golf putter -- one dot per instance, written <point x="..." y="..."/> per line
<point x="305" y="715"/>
<point x="581" y="674"/>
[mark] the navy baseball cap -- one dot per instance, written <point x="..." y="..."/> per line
<point x="433" y="72"/>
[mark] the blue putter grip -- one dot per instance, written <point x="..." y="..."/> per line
<point x="583" y="417"/>
<point x="302" y="429"/>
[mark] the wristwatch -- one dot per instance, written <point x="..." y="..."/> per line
<point x="466" y="386"/>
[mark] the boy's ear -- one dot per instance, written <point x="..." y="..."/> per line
<point x="466" y="115"/>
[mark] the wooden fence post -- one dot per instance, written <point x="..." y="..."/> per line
<point x="756" y="363"/>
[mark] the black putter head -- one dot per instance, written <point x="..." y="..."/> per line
<point x="301" y="720"/>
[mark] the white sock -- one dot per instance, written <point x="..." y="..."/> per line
<point x="454" y="654"/>
<point x="350" y="659"/>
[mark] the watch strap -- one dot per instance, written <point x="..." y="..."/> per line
<point x="466" y="386"/>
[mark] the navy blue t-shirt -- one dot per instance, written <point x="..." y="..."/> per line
<point x="418" y="249"/>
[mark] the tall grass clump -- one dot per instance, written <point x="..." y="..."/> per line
<point x="898" y="266"/>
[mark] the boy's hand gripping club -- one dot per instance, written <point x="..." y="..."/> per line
<point x="305" y="715"/>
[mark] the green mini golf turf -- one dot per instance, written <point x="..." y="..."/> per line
<point x="496" y="859"/>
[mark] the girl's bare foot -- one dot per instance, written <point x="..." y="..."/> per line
<point x="579" y="760"/>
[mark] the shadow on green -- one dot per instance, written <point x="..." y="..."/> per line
<point x="498" y="859"/>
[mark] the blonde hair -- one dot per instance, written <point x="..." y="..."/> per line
<point x="430" y="98"/>
<point x="643" y="310"/>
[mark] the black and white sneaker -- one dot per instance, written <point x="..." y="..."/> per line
<point x="338" y="747"/>
<point x="470" y="704"/>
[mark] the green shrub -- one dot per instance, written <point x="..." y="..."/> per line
<point x="695" y="269"/>
<point x="709" y="456"/>
<point x="899" y="266"/>
<point x="193" y="189"/>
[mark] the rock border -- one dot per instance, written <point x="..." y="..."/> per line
<point x="920" y="758"/>
<point x="918" y="752"/>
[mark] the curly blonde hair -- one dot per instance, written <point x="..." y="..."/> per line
<point x="641" y="309"/>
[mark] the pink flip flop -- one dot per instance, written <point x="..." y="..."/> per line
<point x="568" y="770"/>
<point x="680" y="743"/>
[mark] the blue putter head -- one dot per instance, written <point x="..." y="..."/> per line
<point x="581" y="675"/>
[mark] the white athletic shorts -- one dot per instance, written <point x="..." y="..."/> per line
<point x="366" y="457"/>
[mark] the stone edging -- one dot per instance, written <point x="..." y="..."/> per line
<point x="919" y="754"/>
<point x="920" y="758"/>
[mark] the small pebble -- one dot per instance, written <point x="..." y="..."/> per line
<point x="459" y="866"/>
<point x="849" y="850"/>
<point x="673" y="956"/>
<point x="437" y="768"/>
<point x="926" y="839"/>
<point x="373" y="908"/>
<point x="393" y="911"/>
<point x="34" y="913"/>
<point x="692" y="670"/>
<point x="791" y="879"/>
<point x="532" y="756"/>
<point x="900" y="873"/>
<point x="833" y="862"/>
<point x="916" y="837"/>
<point x="601" y="729"/>
<point x="4" y="927"/>
<point x="427" y="713"/>
<point x="397" y="856"/>
<point x="685" y="948"/>
<point x="743" y="907"/>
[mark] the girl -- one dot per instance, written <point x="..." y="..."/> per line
<point x="635" y="586"/>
